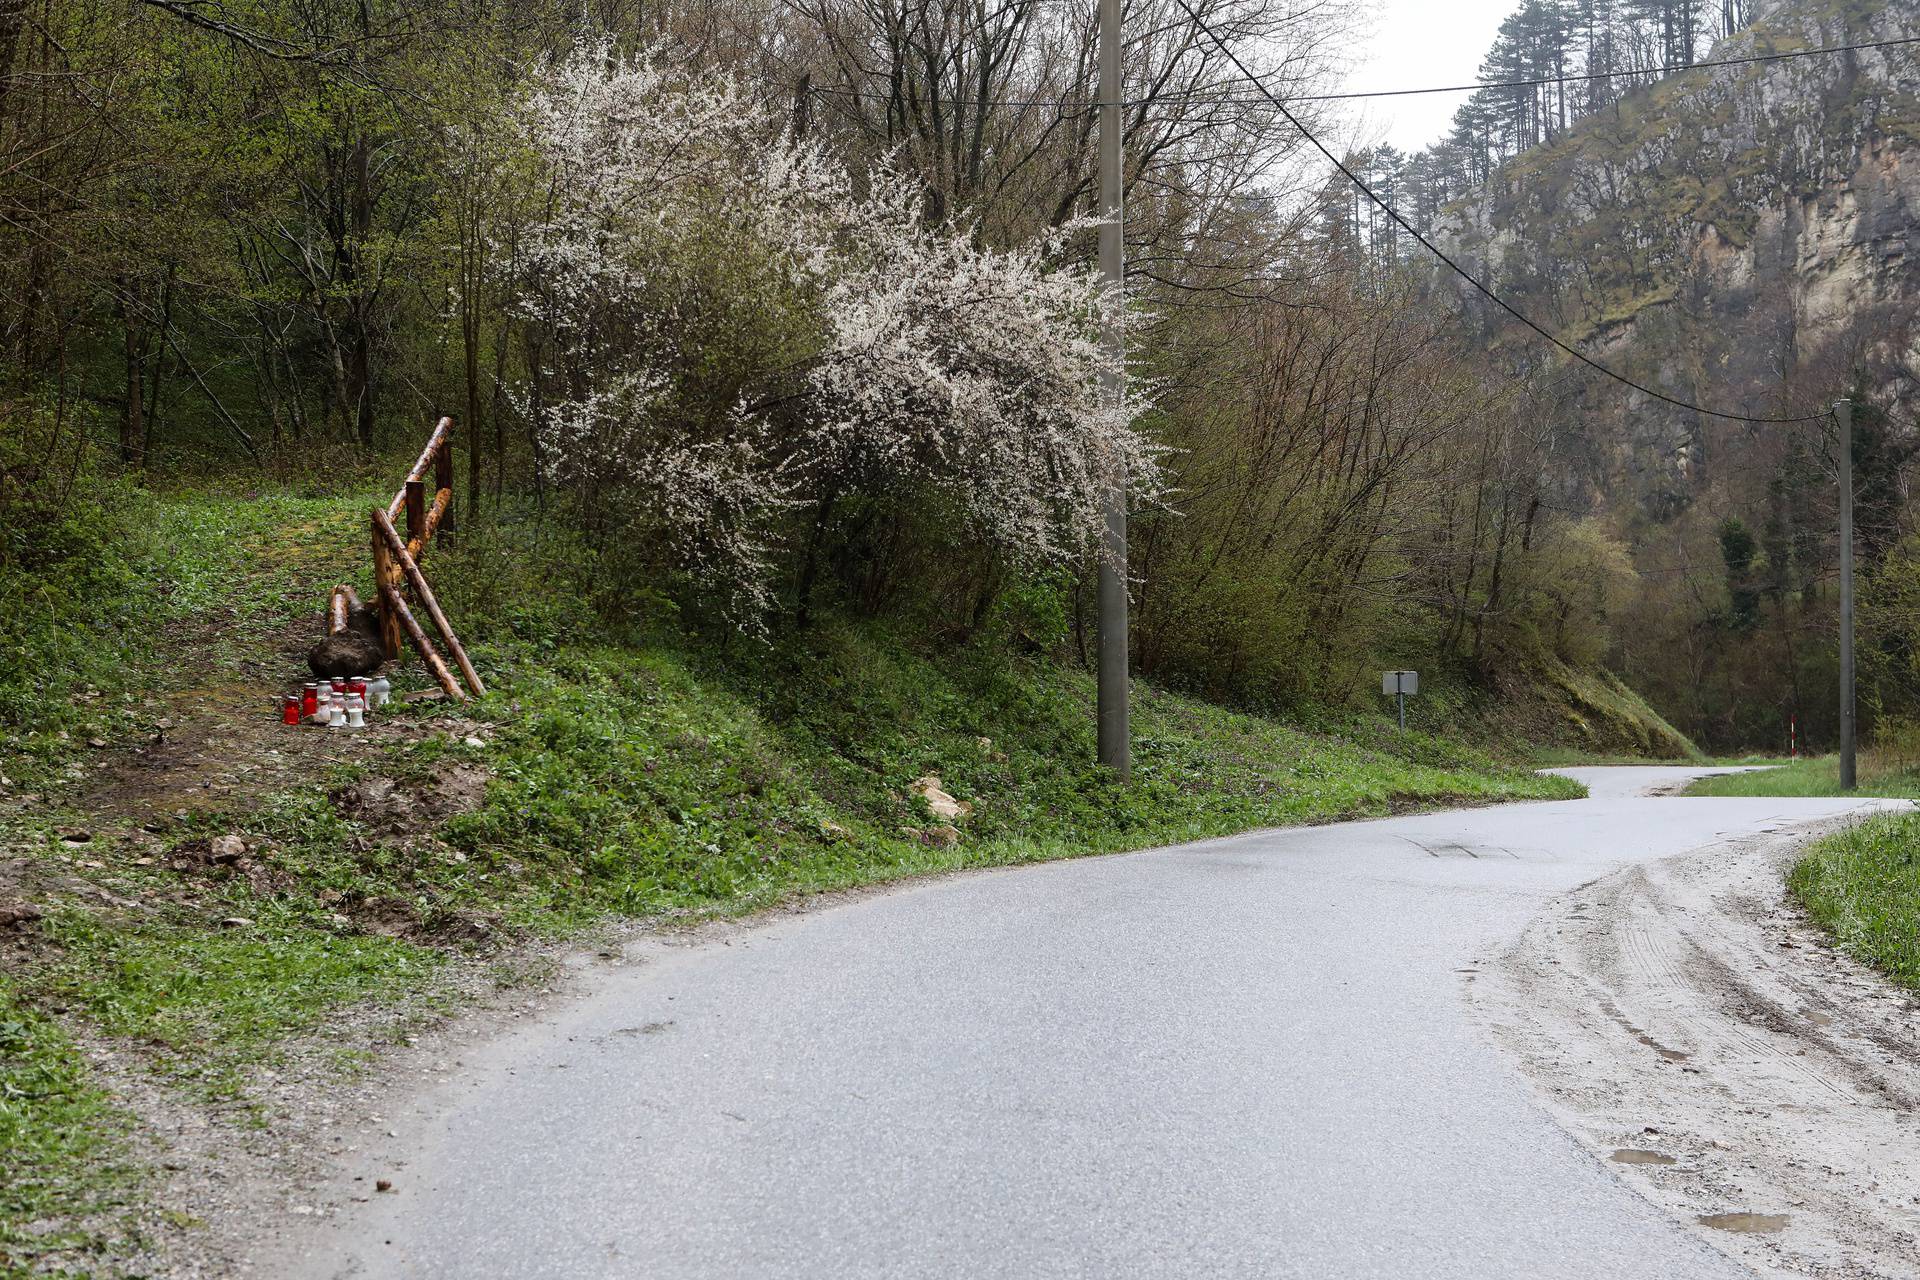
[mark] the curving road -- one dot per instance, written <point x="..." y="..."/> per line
<point x="1246" y="1057"/>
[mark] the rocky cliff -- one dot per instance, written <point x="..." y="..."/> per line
<point x="1737" y="237"/>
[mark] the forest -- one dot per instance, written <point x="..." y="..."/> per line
<point x="783" y="309"/>
<point x="1564" y="60"/>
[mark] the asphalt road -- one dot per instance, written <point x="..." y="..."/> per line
<point x="1247" y="1057"/>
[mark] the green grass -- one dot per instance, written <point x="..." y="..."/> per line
<point x="127" y="594"/>
<point x="1863" y="886"/>
<point x="1818" y="776"/>
<point x="1572" y="757"/>
<point x="207" y="1001"/>
<point x="62" y="1148"/>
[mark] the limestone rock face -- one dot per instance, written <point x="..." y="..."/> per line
<point x="1726" y="235"/>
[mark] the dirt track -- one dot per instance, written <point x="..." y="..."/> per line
<point x="1688" y="1024"/>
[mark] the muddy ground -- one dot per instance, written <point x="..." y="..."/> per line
<point x="1698" y="1033"/>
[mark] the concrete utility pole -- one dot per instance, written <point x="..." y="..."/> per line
<point x="1115" y="748"/>
<point x="1843" y="423"/>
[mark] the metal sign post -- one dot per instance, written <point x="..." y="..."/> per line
<point x="1400" y="685"/>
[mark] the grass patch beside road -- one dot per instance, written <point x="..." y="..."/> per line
<point x="643" y="779"/>
<point x="61" y="1145"/>
<point x="1863" y="886"/>
<point x="1818" y="776"/>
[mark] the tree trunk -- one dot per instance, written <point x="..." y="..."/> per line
<point x="133" y="418"/>
<point x="502" y="342"/>
<point x="470" y="351"/>
<point x="360" y="356"/>
<point x="159" y="364"/>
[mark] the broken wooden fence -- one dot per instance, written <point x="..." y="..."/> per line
<point x="396" y="566"/>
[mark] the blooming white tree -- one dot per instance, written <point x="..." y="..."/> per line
<point x="735" y="328"/>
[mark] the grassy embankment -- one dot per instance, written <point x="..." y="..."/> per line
<point x="612" y="775"/>
<point x="1862" y="884"/>
<point x="1815" y="776"/>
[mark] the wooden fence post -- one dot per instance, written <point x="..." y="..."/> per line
<point x="397" y="608"/>
<point x="417" y="543"/>
<point x="416" y="492"/>
<point x="386" y="578"/>
<point x="424" y="594"/>
<point x="443" y="467"/>
<point x="394" y="567"/>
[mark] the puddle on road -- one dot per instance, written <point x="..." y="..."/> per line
<point x="1634" y="1155"/>
<point x="1753" y="1223"/>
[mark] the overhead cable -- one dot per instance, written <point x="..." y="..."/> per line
<point x="1203" y="95"/>
<point x="1461" y="271"/>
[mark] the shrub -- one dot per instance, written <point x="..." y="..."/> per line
<point x="737" y="329"/>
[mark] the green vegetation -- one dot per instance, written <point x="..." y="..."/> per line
<point x="1652" y="229"/>
<point x="1815" y="776"/>
<point x="1863" y="886"/>
<point x="70" y="606"/>
<point x="1601" y="713"/>
<point x="61" y="1143"/>
<point x="640" y="779"/>
<point x="126" y="595"/>
<point x="208" y="998"/>
<point x="761" y="542"/>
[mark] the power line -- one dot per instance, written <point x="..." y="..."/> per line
<point x="1672" y="68"/>
<point x="1457" y="269"/>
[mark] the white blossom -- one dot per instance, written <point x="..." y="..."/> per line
<point x="735" y="328"/>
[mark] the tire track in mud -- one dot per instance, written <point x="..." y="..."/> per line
<point x="1687" y="1024"/>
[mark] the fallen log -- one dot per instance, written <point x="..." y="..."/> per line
<point x="418" y="581"/>
<point x="352" y="645"/>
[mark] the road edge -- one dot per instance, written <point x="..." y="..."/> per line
<point x="1698" y="1034"/>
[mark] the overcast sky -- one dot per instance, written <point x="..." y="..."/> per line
<point x="1412" y="44"/>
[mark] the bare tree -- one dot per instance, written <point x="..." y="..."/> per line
<point x="992" y="102"/>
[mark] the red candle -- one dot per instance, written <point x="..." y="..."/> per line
<point x="310" y="700"/>
<point x="290" y="710"/>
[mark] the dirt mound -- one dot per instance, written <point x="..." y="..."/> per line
<point x="1681" y="1009"/>
<point x="390" y="807"/>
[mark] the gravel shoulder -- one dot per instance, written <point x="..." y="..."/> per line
<point x="1687" y="1023"/>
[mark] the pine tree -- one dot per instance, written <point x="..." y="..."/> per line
<point x="1619" y="42"/>
<point x="1385" y="176"/>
